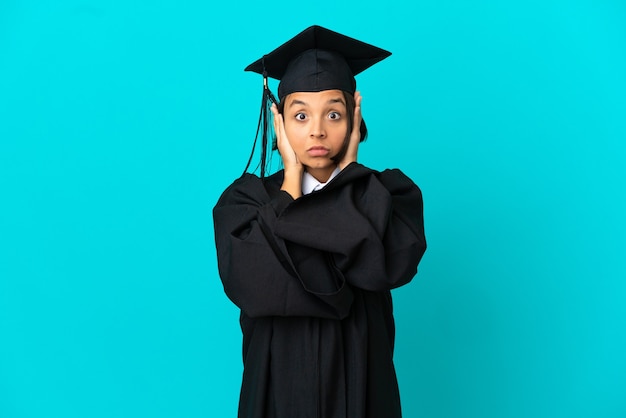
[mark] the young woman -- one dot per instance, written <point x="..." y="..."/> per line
<point x="309" y="254"/>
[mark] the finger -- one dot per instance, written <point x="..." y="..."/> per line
<point x="279" y="134"/>
<point x="277" y="126"/>
<point x="282" y="141"/>
<point x="356" y="127"/>
<point x="275" y="119"/>
<point x="281" y="126"/>
<point x="286" y="140"/>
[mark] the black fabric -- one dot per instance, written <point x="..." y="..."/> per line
<point x="317" y="70"/>
<point x="312" y="278"/>
<point x="318" y="59"/>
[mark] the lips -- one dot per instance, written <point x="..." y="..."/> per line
<point x="318" y="151"/>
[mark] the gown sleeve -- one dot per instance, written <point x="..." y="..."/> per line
<point x="373" y="227"/>
<point x="258" y="272"/>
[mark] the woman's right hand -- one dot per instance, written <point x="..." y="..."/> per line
<point x="290" y="160"/>
<point x="292" y="182"/>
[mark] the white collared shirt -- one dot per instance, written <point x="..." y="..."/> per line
<point x="310" y="183"/>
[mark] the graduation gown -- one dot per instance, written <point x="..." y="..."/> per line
<point x="312" y="278"/>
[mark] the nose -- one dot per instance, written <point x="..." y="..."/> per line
<point x="317" y="129"/>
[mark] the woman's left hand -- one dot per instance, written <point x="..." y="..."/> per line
<point x="355" y="135"/>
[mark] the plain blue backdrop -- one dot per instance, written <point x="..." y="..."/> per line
<point x="122" y="121"/>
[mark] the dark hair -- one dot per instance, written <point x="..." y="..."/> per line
<point x="350" y="105"/>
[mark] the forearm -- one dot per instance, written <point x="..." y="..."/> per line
<point x="292" y="182"/>
<point x="258" y="273"/>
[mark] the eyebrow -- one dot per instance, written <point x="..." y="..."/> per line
<point x="297" y="102"/>
<point x="337" y="100"/>
<point x="330" y="101"/>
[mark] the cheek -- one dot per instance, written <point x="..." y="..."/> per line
<point x="340" y="131"/>
<point x="292" y="130"/>
<point x="295" y="133"/>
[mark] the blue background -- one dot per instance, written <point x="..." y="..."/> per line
<point x="122" y="121"/>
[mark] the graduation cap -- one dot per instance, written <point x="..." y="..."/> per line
<point x="316" y="59"/>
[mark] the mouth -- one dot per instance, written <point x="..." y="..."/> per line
<point x="318" y="151"/>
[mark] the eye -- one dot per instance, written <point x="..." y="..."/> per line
<point x="300" y="116"/>
<point x="334" y="115"/>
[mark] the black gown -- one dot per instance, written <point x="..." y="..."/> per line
<point x="312" y="278"/>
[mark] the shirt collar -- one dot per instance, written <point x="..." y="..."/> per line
<point x="310" y="184"/>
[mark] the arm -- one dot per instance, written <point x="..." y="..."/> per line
<point x="399" y="241"/>
<point x="371" y="223"/>
<point x="259" y="275"/>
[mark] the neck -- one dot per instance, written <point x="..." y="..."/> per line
<point x="321" y="174"/>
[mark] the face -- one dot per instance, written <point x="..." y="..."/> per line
<point x="316" y="125"/>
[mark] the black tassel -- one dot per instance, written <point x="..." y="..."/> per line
<point x="264" y="127"/>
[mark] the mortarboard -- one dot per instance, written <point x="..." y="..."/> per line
<point x="316" y="59"/>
